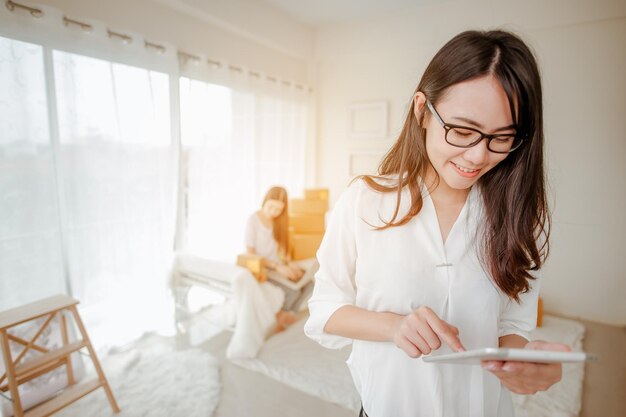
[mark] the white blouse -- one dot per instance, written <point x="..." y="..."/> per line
<point x="261" y="238"/>
<point x="398" y="270"/>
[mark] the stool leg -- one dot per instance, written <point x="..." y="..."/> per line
<point x="68" y="359"/>
<point x="94" y="359"/>
<point x="10" y="370"/>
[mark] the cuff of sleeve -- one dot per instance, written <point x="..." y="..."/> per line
<point x="314" y="326"/>
<point x="506" y="332"/>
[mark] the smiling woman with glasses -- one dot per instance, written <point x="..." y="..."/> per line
<point x="439" y="253"/>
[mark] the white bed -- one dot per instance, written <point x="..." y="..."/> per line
<point x="293" y="359"/>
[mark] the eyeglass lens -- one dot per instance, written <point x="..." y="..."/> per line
<point x="466" y="138"/>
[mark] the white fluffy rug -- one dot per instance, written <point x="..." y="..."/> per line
<point x="154" y="380"/>
<point x="293" y="359"/>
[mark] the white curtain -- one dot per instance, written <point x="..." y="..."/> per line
<point x="90" y="145"/>
<point x="88" y="163"/>
<point x="117" y="179"/>
<point x="31" y="261"/>
<point x="237" y="142"/>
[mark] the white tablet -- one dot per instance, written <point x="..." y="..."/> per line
<point x="474" y="357"/>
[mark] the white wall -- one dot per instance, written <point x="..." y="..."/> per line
<point x="581" y="47"/>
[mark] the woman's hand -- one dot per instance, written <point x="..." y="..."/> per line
<point x="422" y="331"/>
<point x="527" y="377"/>
<point x="299" y="272"/>
<point x="292" y="273"/>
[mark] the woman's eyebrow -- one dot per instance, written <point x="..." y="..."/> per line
<point x="480" y="126"/>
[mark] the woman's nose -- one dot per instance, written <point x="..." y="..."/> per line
<point x="478" y="153"/>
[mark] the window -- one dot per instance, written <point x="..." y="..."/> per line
<point x="236" y="144"/>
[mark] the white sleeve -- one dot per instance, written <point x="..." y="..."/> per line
<point x="520" y="318"/>
<point x="250" y="237"/>
<point x="334" y="281"/>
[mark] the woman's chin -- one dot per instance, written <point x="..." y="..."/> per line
<point x="459" y="184"/>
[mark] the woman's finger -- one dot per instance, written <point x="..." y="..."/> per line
<point x="415" y="337"/>
<point x="408" y="347"/>
<point x="513" y="367"/>
<point x="443" y="330"/>
<point x="542" y="345"/>
<point x="492" y="365"/>
<point x="428" y="334"/>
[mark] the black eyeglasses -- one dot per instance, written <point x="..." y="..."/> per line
<point x="466" y="137"/>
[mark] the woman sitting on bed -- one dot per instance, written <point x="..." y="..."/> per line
<point x="266" y="236"/>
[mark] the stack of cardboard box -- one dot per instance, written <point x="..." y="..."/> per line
<point x="307" y="223"/>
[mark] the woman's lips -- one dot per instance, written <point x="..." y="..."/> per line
<point x="465" y="172"/>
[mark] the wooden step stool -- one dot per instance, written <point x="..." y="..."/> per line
<point x="17" y="373"/>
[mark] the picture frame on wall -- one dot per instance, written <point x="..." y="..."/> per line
<point x="368" y="120"/>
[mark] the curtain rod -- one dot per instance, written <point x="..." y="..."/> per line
<point x="34" y="12"/>
<point x="126" y="39"/>
<point x="84" y="26"/>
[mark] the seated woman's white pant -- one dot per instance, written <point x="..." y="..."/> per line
<point x="256" y="305"/>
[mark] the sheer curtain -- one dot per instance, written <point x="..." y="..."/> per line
<point x="31" y="261"/>
<point x="88" y="156"/>
<point x="90" y="145"/>
<point x="238" y="141"/>
<point x="117" y="179"/>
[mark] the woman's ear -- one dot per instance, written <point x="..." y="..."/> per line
<point x="419" y="107"/>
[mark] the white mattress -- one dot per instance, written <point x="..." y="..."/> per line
<point x="293" y="359"/>
<point x="563" y="399"/>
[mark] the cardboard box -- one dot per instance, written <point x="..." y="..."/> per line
<point x="304" y="246"/>
<point x="302" y="206"/>
<point x="316" y="194"/>
<point x="254" y="263"/>
<point x="307" y="223"/>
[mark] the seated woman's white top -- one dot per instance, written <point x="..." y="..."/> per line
<point x="261" y="238"/>
<point x="398" y="270"/>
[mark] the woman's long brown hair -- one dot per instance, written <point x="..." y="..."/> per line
<point x="516" y="225"/>
<point x="281" y="223"/>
